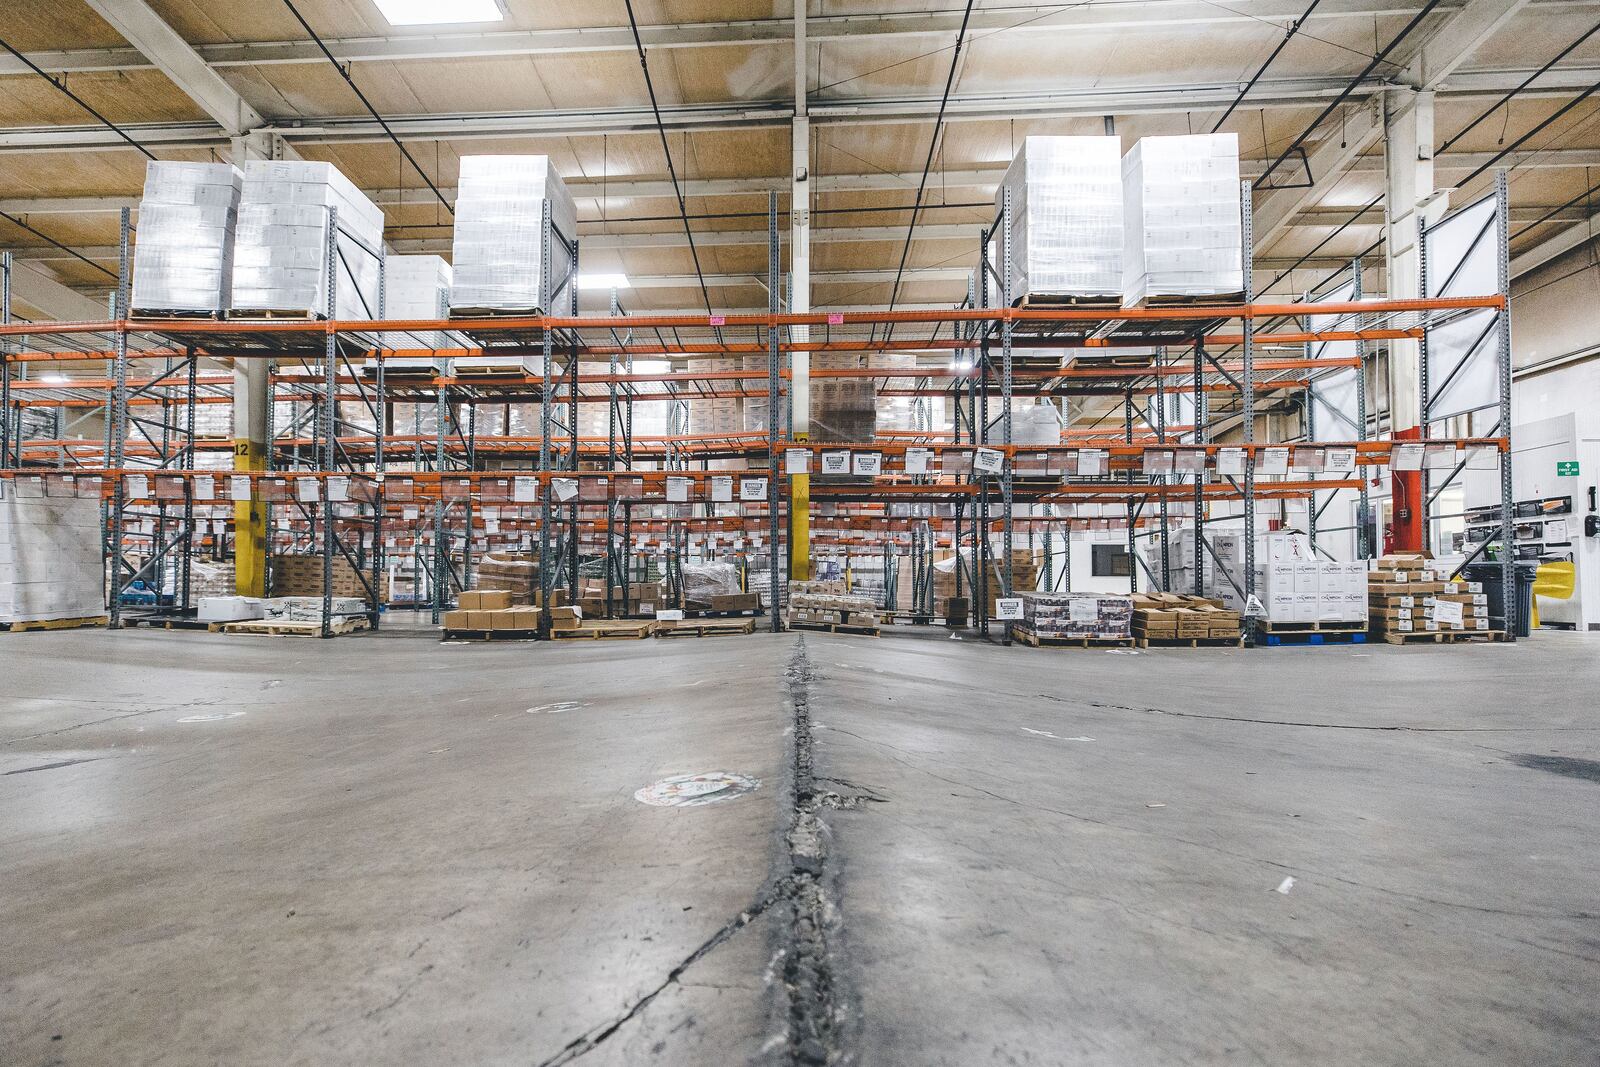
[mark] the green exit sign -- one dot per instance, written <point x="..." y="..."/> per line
<point x="1567" y="469"/>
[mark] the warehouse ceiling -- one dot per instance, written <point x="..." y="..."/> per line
<point x="183" y="78"/>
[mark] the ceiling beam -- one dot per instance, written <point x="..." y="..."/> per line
<point x="183" y="66"/>
<point x="1121" y="18"/>
<point x="774" y="114"/>
<point x="1559" y="244"/>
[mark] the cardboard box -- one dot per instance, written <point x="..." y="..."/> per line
<point x="480" y="620"/>
<point x="458" y="620"/>
<point x="526" y="618"/>
<point x="504" y="619"/>
<point x="566" y="618"/>
<point x="736" y="602"/>
<point x="485" y="600"/>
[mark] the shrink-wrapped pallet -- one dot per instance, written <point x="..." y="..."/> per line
<point x="183" y="251"/>
<point x="499" y="229"/>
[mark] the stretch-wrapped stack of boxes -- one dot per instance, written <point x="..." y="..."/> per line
<point x="828" y="603"/>
<point x="515" y="575"/>
<point x="1407" y="596"/>
<point x="50" y="555"/>
<point x="183" y="257"/>
<point x="717" y="415"/>
<point x="499" y="229"/>
<point x="1184" y="233"/>
<point x="1092" y="615"/>
<point x="1066" y="217"/>
<point x="280" y="259"/>
<point x="843" y="410"/>
<point x="1292" y="583"/>
<point x="301" y="576"/>
<point x="417" y="287"/>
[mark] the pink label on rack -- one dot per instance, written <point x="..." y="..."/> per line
<point x="719" y="320"/>
<point x="835" y="319"/>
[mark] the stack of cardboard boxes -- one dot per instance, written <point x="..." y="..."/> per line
<point x="487" y="610"/>
<point x="1162" y="617"/>
<point x="511" y="573"/>
<point x="301" y="576"/>
<point x="1097" y="616"/>
<point x="1184" y="230"/>
<point x="499" y="233"/>
<point x="1294" y="584"/>
<point x="1407" y="595"/>
<point x="1066" y="217"/>
<point x="829" y="603"/>
<point x="183" y="260"/>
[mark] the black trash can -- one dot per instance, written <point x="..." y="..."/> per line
<point x="1523" y="575"/>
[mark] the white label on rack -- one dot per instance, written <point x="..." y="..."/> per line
<point x="1340" y="460"/>
<point x="338" y="489"/>
<point x="868" y="464"/>
<point x="1093" y="462"/>
<point x="1406" y="457"/>
<point x="1230" y="462"/>
<point x="1008" y="609"/>
<point x="678" y="490"/>
<point x="1310" y="460"/>
<point x="1447" y="612"/>
<point x="564" y="489"/>
<point x="722" y="488"/>
<point x="797" y="461"/>
<point x="1483" y="458"/>
<point x="1272" y="461"/>
<point x="1439" y="457"/>
<point x="525" y="490"/>
<point x="410" y="514"/>
<point x="205" y="487"/>
<point x="1159" y="462"/>
<point x="1189" y="460"/>
<point x="917" y="460"/>
<point x="836" y="463"/>
<point x="135" y="486"/>
<point x="306" y="490"/>
<point x="491" y="526"/>
<point x="753" y="490"/>
<point x="988" y="461"/>
<point x="239" y="487"/>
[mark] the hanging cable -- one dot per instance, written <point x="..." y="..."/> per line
<point x="1355" y="83"/>
<point x="672" y="171"/>
<point x="1546" y="124"/>
<point x="1294" y="28"/>
<point x="344" y="72"/>
<point x="933" y="146"/>
<point x="1498" y="104"/>
<point x="76" y="99"/>
<point x="51" y="240"/>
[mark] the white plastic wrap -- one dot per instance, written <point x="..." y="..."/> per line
<point x="280" y="254"/>
<point x="50" y="557"/>
<point x="183" y="250"/>
<point x="1066" y="217"/>
<point x="1183" y="225"/>
<point x="417" y="287"/>
<point x="498" y="231"/>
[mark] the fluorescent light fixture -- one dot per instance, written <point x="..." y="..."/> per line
<point x="440" y="12"/>
<point x="53" y="379"/>
<point x="603" y="281"/>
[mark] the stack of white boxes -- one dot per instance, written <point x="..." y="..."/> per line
<point x="416" y="287"/>
<point x="1292" y="582"/>
<point x="183" y="255"/>
<point x="499" y="230"/>
<point x="281" y="255"/>
<point x="1184" y="229"/>
<point x="1066" y="217"/>
<point x="50" y="554"/>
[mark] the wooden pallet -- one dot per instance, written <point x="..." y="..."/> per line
<point x="707" y="613"/>
<point x="157" y="623"/>
<point x="55" y="624"/>
<point x="706" y="628"/>
<point x="1441" y="637"/>
<point x="141" y="314"/>
<point x="889" y="618"/>
<point x="279" y="314"/>
<point x="1040" y="301"/>
<point x="1267" y="626"/>
<point x="834" y="628"/>
<point x="490" y="635"/>
<point x="350" y="624"/>
<point x="1175" y="301"/>
<point x="1189" y="642"/>
<point x="605" y="631"/>
<point x="1028" y="637"/>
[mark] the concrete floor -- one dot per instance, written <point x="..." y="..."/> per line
<point x="382" y="849"/>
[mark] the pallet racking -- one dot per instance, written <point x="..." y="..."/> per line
<point x="1188" y="381"/>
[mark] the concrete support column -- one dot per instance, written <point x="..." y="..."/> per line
<point x="1409" y="192"/>
<point x="800" y="302"/>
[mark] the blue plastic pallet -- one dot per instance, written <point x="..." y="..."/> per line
<point x="1310" y="637"/>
